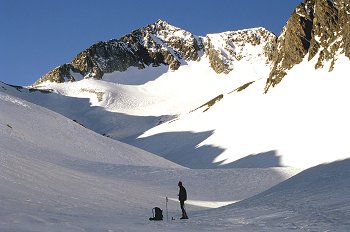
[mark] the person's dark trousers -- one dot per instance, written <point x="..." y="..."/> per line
<point x="182" y="205"/>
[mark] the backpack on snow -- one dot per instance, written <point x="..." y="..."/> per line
<point x="157" y="214"/>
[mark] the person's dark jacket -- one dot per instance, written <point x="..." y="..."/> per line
<point x="182" y="194"/>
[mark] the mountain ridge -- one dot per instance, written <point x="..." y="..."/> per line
<point x="158" y="44"/>
<point x="322" y="35"/>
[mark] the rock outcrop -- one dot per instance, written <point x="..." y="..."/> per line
<point x="60" y="74"/>
<point x="317" y="28"/>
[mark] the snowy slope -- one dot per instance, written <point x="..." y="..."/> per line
<point x="56" y="175"/>
<point x="54" y="188"/>
<point x="58" y="135"/>
<point x="317" y="199"/>
<point x="301" y="123"/>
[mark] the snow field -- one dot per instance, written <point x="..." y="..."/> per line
<point x="56" y="175"/>
<point x="299" y="123"/>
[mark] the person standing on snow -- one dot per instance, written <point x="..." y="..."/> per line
<point x="182" y="198"/>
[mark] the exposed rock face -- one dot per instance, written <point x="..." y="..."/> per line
<point x="331" y="31"/>
<point x="292" y="45"/>
<point x="60" y="74"/>
<point x="319" y="28"/>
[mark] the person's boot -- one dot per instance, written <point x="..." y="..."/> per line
<point x="184" y="216"/>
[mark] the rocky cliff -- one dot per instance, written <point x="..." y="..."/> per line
<point x="318" y="29"/>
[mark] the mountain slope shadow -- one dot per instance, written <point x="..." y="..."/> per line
<point x="262" y="160"/>
<point x="136" y="76"/>
<point x="181" y="148"/>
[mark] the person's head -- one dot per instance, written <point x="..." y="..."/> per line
<point x="179" y="184"/>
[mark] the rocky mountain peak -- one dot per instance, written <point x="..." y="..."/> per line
<point x="318" y="29"/>
<point x="162" y="43"/>
<point x="162" y="25"/>
<point x="182" y="42"/>
<point x="156" y="44"/>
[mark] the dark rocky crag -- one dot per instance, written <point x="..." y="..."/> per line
<point x="315" y="28"/>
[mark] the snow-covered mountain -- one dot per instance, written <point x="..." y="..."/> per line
<point x="163" y="44"/>
<point x="123" y="104"/>
<point x="231" y="115"/>
<point x="212" y="94"/>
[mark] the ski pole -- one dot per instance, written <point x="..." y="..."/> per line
<point x="166" y="207"/>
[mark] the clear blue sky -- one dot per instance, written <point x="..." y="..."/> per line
<point x="39" y="35"/>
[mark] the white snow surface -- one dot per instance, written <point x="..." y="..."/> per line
<point x="56" y="175"/>
<point x="302" y="122"/>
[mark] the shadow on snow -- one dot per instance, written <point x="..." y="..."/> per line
<point x="182" y="148"/>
